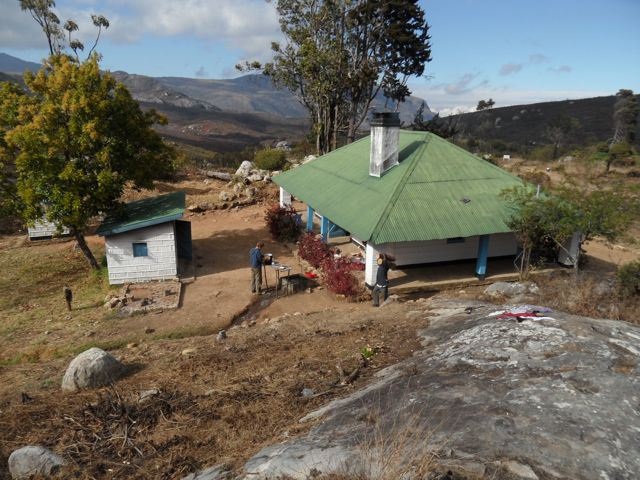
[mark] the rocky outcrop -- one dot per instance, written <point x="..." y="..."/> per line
<point x="516" y="291"/>
<point x="31" y="460"/>
<point x="533" y="396"/>
<point x="91" y="369"/>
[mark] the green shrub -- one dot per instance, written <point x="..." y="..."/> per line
<point x="270" y="159"/>
<point x="542" y="153"/>
<point x="628" y="279"/>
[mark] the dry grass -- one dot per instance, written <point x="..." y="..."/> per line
<point x="590" y="294"/>
<point x="220" y="404"/>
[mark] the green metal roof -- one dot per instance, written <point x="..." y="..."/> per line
<point x="423" y="198"/>
<point x="144" y="213"/>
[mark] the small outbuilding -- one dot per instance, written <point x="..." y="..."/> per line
<point x="147" y="240"/>
<point x="410" y="194"/>
<point x="43" y="229"/>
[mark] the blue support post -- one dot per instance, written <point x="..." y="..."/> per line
<point x="483" y="253"/>
<point x="309" y="218"/>
<point x="324" y="228"/>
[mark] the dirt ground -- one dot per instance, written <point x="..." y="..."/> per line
<point x="218" y="402"/>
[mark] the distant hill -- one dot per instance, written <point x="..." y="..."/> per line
<point x="526" y="125"/>
<point x="150" y="90"/>
<point x="11" y="64"/>
<point x="256" y="94"/>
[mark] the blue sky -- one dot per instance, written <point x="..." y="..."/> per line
<point x="514" y="51"/>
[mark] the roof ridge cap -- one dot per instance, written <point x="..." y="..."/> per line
<point x="399" y="188"/>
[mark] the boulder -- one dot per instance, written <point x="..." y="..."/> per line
<point x="91" y="369"/>
<point x="33" y="460"/>
<point x="244" y="168"/>
<point x="219" y="175"/>
<point x="225" y="196"/>
<point x="517" y="396"/>
<point x="510" y="289"/>
<point x="196" y="208"/>
<point x="255" y="177"/>
<point x="218" y="472"/>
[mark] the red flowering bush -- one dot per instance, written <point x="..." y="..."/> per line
<point x="283" y="223"/>
<point x="337" y="276"/>
<point x="313" y="249"/>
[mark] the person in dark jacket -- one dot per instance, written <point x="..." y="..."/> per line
<point x="68" y="296"/>
<point x="385" y="262"/>
<point x="256" y="260"/>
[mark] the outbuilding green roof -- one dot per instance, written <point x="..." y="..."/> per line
<point x="144" y="213"/>
<point x="437" y="191"/>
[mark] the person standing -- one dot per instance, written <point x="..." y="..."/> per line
<point x="68" y="296"/>
<point x="385" y="262"/>
<point x="256" y="260"/>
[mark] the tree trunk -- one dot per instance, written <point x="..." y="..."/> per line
<point x="351" y="131"/>
<point x="82" y="243"/>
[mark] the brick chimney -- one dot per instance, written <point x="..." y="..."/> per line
<point x="385" y="137"/>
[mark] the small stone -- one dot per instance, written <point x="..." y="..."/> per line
<point x="47" y="332"/>
<point x="148" y="394"/>
<point x="222" y="335"/>
<point x="132" y="345"/>
<point x="149" y="330"/>
<point x="188" y="352"/>
<point x="90" y="334"/>
<point x="307" y="392"/>
<point x="297" y="314"/>
<point x="520" y="470"/>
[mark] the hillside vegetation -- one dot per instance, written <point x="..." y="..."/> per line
<point x="524" y="128"/>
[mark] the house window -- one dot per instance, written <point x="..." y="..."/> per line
<point x="455" y="240"/>
<point x="140" y="250"/>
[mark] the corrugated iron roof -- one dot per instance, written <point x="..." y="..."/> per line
<point x="438" y="191"/>
<point x="144" y="213"/>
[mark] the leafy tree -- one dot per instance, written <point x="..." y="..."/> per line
<point x="79" y="138"/>
<point x="443" y="128"/>
<point x="42" y="12"/>
<point x="340" y="53"/>
<point x="485" y="104"/>
<point x="625" y="117"/>
<point x="616" y="152"/>
<point x="10" y="97"/>
<point x="540" y="220"/>
<point x="559" y="130"/>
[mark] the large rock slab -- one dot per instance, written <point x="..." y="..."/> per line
<point x="551" y="398"/>
<point x="33" y="460"/>
<point x="91" y="369"/>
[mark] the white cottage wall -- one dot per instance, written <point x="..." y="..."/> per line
<point x="433" y="251"/>
<point x="44" y="229"/>
<point x="161" y="262"/>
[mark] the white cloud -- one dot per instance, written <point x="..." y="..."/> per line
<point x="17" y="29"/>
<point x="440" y="100"/>
<point x="561" y="69"/>
<point x="249" y="26"/>
<point x="462" y="85"/>
<point x="537" y="58"/>
<point x="246" y="25"/>
<point x="510" y="68"/>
